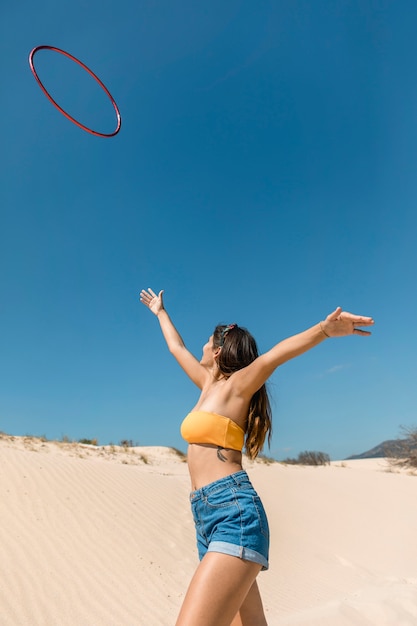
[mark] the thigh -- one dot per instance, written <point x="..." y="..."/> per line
<point x="251" y="613"/>
<point x="217" y="590"/>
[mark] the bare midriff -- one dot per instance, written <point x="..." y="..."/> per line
<point x="208" y="463"/>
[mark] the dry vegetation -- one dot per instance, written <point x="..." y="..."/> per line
<point x="403" y="452"/>
<point x="309" y="458"/>
<point x="126" y="452"/>
<point x="266" y="460"/>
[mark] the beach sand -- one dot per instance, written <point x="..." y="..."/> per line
<point x="104" y="536"/>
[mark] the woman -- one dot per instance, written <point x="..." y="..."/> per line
<point x="233" y="409"/>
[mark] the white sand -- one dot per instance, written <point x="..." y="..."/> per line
<point x="96" y="536"/>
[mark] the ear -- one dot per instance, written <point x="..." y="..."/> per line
<point x="216" y="351"/>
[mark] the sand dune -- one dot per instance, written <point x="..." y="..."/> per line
<point x="104" y="536"/>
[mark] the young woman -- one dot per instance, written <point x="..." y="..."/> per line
<point x="232" y="411"/>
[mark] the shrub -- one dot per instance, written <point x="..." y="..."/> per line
<point x="309" y="458"/>
<point x="180" y="454"/>
<point x="267" y="460"/>
<point x="89" y="442"/>
<point x="127" y="443"/>
<point x="403" y="452"/>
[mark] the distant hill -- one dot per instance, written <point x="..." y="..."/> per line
<point x="395" y="445"/>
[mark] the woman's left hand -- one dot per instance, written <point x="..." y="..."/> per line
<point x="341" y="323"/>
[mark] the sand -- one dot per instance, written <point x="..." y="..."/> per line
<point x="104" y="536"/>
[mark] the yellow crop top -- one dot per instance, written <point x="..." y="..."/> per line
<point x="204" y="427"/>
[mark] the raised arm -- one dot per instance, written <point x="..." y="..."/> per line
<point x="175" y="343"/>
<point x="337" y="324"/>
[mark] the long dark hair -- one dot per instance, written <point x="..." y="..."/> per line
<point x="238" y="349"/>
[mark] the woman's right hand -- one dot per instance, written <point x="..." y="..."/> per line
<point x="154" y="302"/>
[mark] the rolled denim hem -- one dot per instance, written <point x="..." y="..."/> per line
<point x="239" y="551"/>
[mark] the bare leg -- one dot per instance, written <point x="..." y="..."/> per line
<point x="217" y="590"/>
<point x="251" y="613"/>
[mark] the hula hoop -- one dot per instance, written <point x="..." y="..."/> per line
<point x="96" y="78"/>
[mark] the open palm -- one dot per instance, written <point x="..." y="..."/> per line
<point x="154" y="302"/>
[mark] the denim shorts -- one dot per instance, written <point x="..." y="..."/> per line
<point x="229" y="518"/>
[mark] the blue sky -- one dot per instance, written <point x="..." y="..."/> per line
<point x="265" y="173"/>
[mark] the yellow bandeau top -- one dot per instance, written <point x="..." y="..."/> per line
<point x="205" y="427"/>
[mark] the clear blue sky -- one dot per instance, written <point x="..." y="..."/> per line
<point x="264" y="174"/>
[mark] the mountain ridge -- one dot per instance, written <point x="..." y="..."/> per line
<point x="390" y="447"/>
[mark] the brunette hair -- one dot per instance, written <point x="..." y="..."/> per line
<point x="238" y="350"/>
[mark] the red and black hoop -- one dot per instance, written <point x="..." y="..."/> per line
<point x="96" y="78"/>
